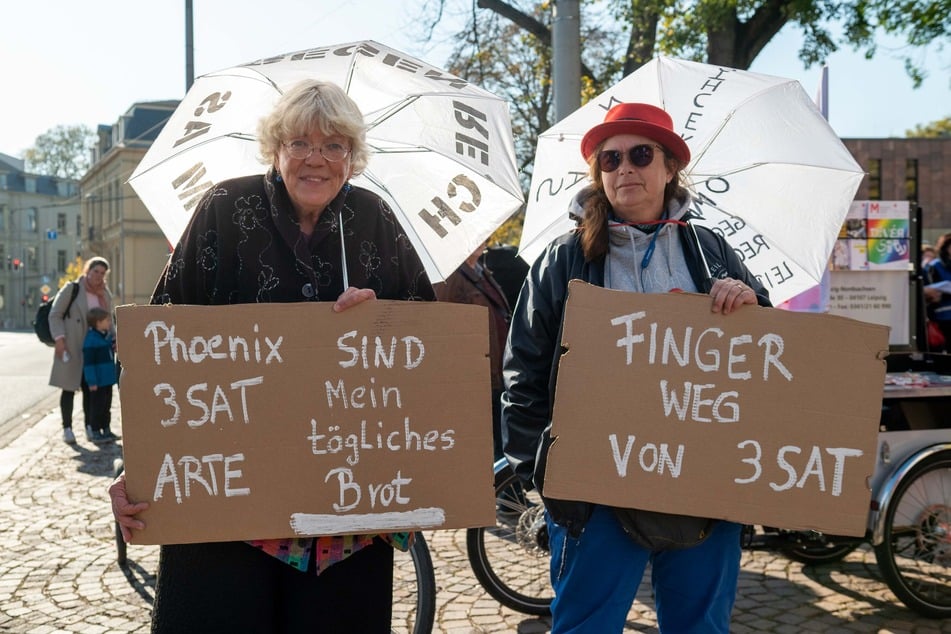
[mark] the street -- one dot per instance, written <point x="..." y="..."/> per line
<point x="59" y="571"/>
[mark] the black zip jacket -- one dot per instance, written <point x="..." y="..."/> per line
<point x="531" y="356"/>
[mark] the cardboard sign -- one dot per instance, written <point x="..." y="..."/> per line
<point x="264" y="421"/>
<point x="762" y="416"/>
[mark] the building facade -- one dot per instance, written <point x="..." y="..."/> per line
<point x="918" y="170"/>
<point x="40" y="234"/>
<point x="117" y="226"/>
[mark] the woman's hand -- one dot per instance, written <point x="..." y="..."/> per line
<point x="60" y="346"/>
<point x="124" y="510"/>
<point x="351" y="297"/>
<point x="932" y="295"/>
<point x="729" y="294"/>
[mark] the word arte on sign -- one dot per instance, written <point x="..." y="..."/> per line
<point x="274" y="420"/>
<point x="724" y="416"/>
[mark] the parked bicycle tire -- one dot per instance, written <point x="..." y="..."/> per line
<point x="819" y="550"/>
<point x="414" y="582"/>
<point x="414" y="589"/>
<point x="511" y="559"/>
<point x="915" y="554"/>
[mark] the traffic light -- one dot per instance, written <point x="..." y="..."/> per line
<point x="44" y="297"/>
<point x="16" y="264"/>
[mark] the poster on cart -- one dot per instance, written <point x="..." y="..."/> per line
<point x="763" y="416"/>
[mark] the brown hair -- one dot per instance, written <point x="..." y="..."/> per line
<point x="943" y="246"/>
<point x="593" y="229"/>
<point x="95" y="315"/>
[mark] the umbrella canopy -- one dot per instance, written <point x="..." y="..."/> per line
<point x="767" y="170"/>
<point x="442" y="153"/>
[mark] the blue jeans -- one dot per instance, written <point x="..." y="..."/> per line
<point x="596" y="577"/>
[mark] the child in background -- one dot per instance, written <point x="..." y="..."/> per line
<point x="99" y="370"/>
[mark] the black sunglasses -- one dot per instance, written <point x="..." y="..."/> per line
<point x="639" y="156"/>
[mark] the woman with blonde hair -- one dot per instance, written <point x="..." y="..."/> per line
<point x="68" y="327"/>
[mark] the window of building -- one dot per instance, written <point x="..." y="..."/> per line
<point x="3" y="217"/>
<point x="31" y="220"/>
<point x="3" y="253"/>
<point x="61" y="223"/>
<point x="32" y="262"/>
<point x="911" y="179"/>
<point x="875" y="179"/>
<point x="60" y="261"/>
<point x="79" y="225"/>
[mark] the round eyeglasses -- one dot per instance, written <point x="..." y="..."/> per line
<point x="639" y="156"/>
<point x="301" y="149"/>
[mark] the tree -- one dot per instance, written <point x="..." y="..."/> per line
<point x="734" y="32"/>
<point x="73" y="270"/>
<point x="61" y="151"/>
<point x="934" y="130"/>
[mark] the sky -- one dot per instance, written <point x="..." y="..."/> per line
<point x="86" y="63"/>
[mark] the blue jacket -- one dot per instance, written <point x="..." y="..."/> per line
<point x="99" y="362"/>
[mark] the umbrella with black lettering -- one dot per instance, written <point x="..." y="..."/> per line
<point x="766" y="169"/>
<point x="442" y="153"/>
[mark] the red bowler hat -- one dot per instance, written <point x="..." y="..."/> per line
<point x="637" y="118"/>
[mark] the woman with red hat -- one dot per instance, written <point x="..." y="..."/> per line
<point x="634" y="234"/>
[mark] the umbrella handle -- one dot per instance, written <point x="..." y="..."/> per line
<point x="708" y="278"/>
<point x="343" y="255"/>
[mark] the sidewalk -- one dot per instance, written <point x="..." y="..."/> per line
<point x="58" y="572"/>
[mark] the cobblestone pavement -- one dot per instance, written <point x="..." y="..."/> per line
<point x="58" y="570"/>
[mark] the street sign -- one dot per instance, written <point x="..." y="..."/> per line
<point x="51" y="234"/>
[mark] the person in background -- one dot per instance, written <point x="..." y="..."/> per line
<point x="99" y="371"/>
<point x="301" y="232"/>
<point x="473" y="283"/>
<point x="635" y="234"/>
<point x="928" y="253"/>
<point x="69" y="331"/>
<point x="938" y="301"/>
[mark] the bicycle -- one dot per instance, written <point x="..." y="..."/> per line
<point x="414" y="581"/>
<point x="510" y="559"/>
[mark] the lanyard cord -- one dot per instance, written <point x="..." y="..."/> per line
<point x="646" y="260"/>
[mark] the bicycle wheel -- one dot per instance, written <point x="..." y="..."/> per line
<point x="915" y="554"/>
<point x="820" y="549"/>
<point x="511" y="559"/>
<point x="414" y="589"/>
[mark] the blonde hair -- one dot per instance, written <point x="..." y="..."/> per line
<point x="95" y="261"/>
<point x="314" y="105"/>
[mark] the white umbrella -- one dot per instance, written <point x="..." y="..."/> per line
<point x="767" y="170"/>
<point x="442" y="150"/>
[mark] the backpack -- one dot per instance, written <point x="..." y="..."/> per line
<point x="41" y="322"/>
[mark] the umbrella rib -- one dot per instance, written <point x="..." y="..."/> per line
<point x="241" y="136"/>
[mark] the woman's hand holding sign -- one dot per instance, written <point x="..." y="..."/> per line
<point x="124" y="510"/>
<point x="729" y="294"/>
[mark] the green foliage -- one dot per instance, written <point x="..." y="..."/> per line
<point x="940" y="129"/>
<point x="61" y="151"/>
